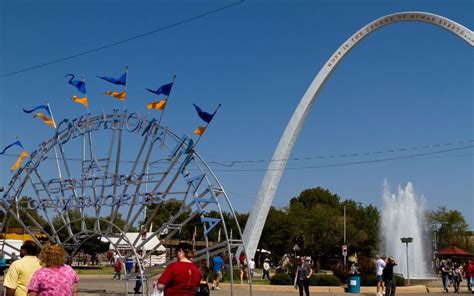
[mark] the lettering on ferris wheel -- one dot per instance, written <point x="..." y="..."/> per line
<point x="62" y="192"/>
<point x="70" y="129"/>
<point x="72" y="202"/>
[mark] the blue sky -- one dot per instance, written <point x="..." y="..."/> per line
<point x="406" y="85"/>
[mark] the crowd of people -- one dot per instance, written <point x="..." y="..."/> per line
<point x="453" y="273"/>
<point x="45" y="272"/>
<point x="40" y="272"/>
<point x="125" y="264"/>
<point x="386" y="283"/>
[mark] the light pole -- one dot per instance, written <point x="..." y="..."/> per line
<point x="407" y="240"/>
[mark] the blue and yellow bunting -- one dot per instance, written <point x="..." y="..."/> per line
<point x="160" y="105"/>
<point x="82" y="101"/>
<point x="80" y="85"/>
<point x="118" y="95"/>
<point x="45" y="119"/>
<point x="122" y="80"/>
<point x="16" y="143"/>
<point x="45" y="107"/>
<point x="18" y="162"/>
<point x="204" y="115"/>
<point x="162" y="90"/>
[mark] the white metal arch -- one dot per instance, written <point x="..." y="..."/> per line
<point x="264" y="198"/>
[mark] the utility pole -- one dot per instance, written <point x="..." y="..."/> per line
<point x="344" y="247"/>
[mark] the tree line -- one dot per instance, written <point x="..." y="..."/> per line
<point x="315" y="212"/>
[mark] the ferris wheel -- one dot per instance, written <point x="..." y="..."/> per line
<point x="111" y="174"/>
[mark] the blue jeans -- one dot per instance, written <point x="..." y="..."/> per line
<point x="390" y="288"/>
<point x="138" y="284"/>
<point x="445" y="282"/>
<point x="470" y="282"/>
<point x="303" y="285"/>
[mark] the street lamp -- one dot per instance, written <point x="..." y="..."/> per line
<point x="407" y="240"/>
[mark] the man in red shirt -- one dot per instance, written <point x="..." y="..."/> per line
<point x="470" y="275"/>
<point x="182" y="277"/>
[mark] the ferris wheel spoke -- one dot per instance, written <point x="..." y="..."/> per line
<point x="107" y="167"/>
<point x="60" y="214"/>
<point x="73" y="185"/>
<point x="117" y="160"/>
<point x="164" y="194"/>
<point x="114" y="210"/>
<point x="137" y="189"/>
<point x="164" y="176"/>
<point x="40" y="203"/>
<point x="20" y="221"/>
<point x="92" y="159"/>
<point x="170" y="221"/>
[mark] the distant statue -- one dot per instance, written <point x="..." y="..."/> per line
<point x="300" y="242"/>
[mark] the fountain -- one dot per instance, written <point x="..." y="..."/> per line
<point x="403" y="216"/>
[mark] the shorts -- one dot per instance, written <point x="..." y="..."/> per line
<point x="379" y="278"/>
<point x="218" y="275"/>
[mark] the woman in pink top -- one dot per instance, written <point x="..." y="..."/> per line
<point x="55" y="278"/>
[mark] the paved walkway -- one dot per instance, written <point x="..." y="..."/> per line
<point x="104" y="285"/>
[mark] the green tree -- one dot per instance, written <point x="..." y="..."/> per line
<point x="165" y="211"/>
<point x="319" y="214"/>
<point x="277" y="232"/>
<point x="30" y="217"/>
<point x="94" y="246"/>
<point x="451" y="227"/>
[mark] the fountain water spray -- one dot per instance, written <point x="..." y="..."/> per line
<point x="403" y="215"/>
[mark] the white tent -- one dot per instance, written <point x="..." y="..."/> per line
<point x="131" y="237"/>
<point x="9" y="246"/>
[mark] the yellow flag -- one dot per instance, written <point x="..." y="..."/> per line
<point x="160" y="105"/>
<point x="19" y="161"/>
<point x="200" y="130"/>
<point x="82" y="101"/>
<point x="46" y="119"/>
<point x="118" y="95"/>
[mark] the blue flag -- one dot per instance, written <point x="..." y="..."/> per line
<point x="164" y="89"/>
<point x="121" y="81"/>
<point x="80" y="85"/>
<point x="18" y="143"/>
<point x="45" y="107"/>
<point x="204" y="115"/>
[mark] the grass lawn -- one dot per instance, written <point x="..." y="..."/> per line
<point x="94" y="270"/>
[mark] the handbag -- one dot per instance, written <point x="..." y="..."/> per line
<point x="157" y="292"/>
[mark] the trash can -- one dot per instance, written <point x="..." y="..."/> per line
<point x="353" y="283"/>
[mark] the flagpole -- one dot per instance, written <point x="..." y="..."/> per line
<point x="54" y="147"/>
<point x="205" y="128"/>
<point x="83" y="161"/>
<point x="83" y="144"/>
<point x="162" y="113"/>
<point x="91" y="156"/>
<point x="159" y="124"/>
<point x="16" y="195"/>
<point x="114" y="209"/>
<point x="125" y="89"/>
<point x="58" y="166"/>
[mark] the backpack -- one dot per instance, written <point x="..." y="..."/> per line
<point x="202" y="290"/>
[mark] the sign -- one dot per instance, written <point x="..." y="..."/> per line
<point x="344" y="250"/>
